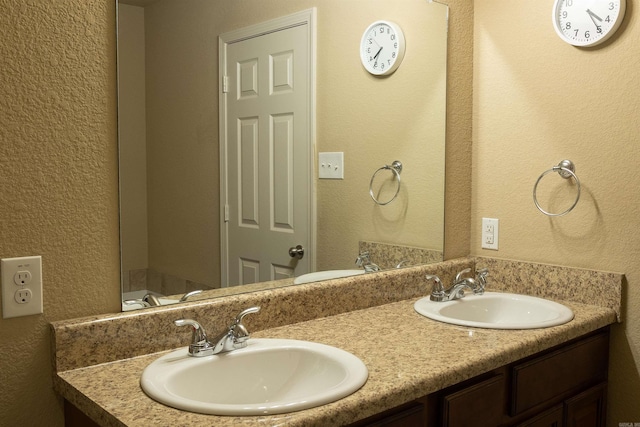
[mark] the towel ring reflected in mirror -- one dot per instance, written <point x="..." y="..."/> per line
<point x="395" y="168"/>
<point x="566" y="169"/>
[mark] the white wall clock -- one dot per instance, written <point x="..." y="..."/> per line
<point x="587" y="22"/>
<point x="382" y="48"/>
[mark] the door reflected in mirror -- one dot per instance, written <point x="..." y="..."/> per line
<point x="173" y="144"/>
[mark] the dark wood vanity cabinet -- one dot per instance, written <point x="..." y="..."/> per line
<point x="565" y="386"/>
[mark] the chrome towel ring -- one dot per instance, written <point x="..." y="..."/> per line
<point x="566" y="169"/>
<point x="395" y="168"/>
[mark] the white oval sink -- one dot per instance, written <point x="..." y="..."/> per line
<point x="325" y="275"/>
<point x="496" y="310"/>
<point x="269" y="376"/>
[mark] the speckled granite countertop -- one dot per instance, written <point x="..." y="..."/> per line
<point x="408" y="356"/>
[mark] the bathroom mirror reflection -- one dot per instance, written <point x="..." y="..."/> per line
<point x="169" y="138"/>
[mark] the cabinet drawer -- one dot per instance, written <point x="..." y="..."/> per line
<point x="559" y="372"/>
<point x="412" y="416"/>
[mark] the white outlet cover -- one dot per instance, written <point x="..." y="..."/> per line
<point x="21" y="299"/>
<point x="490" y="233"/>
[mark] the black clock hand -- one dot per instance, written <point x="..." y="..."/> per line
<point x="376" y="56"/>
<point x="593" y="15"/>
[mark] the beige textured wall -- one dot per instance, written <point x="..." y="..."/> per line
<point x="458" y="134"/>
<point x="537" y="101"/>
<point x="58" y="182"/>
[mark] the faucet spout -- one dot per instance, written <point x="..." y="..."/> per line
<point x="200" y="345"/>
<point x="235" y="336"/>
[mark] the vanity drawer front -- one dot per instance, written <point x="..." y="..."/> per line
<point x="558" y="373"/>
<point x="413" y="414"/>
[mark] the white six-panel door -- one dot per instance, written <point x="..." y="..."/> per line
<point x="267" y="150"/>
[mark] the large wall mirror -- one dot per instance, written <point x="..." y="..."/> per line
<point x="172" y="179"/>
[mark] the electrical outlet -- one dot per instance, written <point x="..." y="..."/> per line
<point x="21" y="286"/>
<point x="22" y="278"/>
<point x="490" y="233"/>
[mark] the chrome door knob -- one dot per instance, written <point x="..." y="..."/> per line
<point x="297" y="252"/>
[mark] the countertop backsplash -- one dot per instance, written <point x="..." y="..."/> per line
<point x="93" y="340"/>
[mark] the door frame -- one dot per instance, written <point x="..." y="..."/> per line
<point x="305" y="17"/>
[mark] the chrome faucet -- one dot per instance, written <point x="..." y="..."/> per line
<point x="152" y="300"/>
<point x="460" y="284"/>
<point x="234" y="337"/>
<point x="189" y="295"/>
<point x="139" y="302"/>
<point x="364" y="262"/>
<point x="402" y="263"/>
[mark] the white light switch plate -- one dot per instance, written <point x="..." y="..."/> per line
<point x="21" y="286"/>
<point x="331" y="165"/>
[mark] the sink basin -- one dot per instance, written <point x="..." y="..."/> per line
<point x="325" y="275"/>
<point x="269" y="376"/>
<point x="496" y="310"/>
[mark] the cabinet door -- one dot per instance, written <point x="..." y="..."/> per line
<point x="560" y="373"/>
<point x="551" y="418"/>
<point x="479" y="405"/>
<point x="588" y="409"/>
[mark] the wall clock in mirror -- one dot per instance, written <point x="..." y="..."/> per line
<point x="382" y="48"/>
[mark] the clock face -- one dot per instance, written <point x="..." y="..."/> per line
<point x="587" y="22"/>
<point x="382" y="48"/>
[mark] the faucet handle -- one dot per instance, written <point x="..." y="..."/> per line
<point x="152" y="300"/>
<point x="483" y="272"/>
<point x="199" y="341"/>
<point x="437" y="293"/>
<point x="139" y="302"/>
<point x="238" y="329"/>
<point x="363" y="259"/>
<point x="481" y="279"/>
